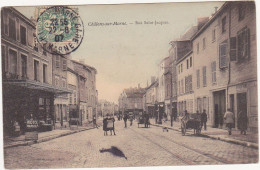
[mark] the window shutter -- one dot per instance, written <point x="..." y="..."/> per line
<point x="223" y="55"/>
<point x="57" y="61"/>
<point x="233" y="49"/>
<point x="248" y="43"/>
<point x="64" y="64"/>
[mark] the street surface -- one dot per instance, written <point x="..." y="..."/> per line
<point x="141" y="147"/>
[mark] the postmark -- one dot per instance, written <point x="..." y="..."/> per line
<point x="59" y="30"/>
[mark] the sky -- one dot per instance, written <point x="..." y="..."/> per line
<point x="128" y="55"/>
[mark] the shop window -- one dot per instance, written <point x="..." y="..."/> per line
<point x="223" y="55"/>
<point x="24" y="65"/>
<point x="23" y="35"/>
<point x="13" y="61"/>
<point x="12" y="29"/>
<point x="213" y="72"/>
<point x="36" y="70"/>
<point x="204" y="72"/>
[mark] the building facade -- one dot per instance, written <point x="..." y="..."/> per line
<point x="28" y="91"/>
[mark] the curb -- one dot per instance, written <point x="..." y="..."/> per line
<point x="27" y="143"/>
<point x="234" y="141"/>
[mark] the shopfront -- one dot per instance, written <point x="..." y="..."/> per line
<point x="28" y="100"/>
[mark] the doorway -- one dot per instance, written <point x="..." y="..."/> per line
<point x="219" y="107"/>
<point x="241" y="104"/>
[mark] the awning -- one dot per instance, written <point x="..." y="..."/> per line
<point x="37" y="86"/>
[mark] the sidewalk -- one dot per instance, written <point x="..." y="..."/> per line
<point x="250" y="140"/>
<point x="46" y="136"/>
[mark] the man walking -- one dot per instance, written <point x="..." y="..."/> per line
<point x="229" y="119"/>
<point x="125" y="120"/>
<point x="204" y="119"/>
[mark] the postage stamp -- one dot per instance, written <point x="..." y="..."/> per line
<point x="59" y="30"/>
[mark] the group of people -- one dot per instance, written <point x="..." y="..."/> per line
<point x="229" y="119"/>
<point x="242" y="121"/>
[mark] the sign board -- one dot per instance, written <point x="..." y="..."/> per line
<point x="31" y="135"/>
<point x="31" y="124"/>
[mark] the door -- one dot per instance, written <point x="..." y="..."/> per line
<point x="241" y="103"/>
<point x="219" y="107"/>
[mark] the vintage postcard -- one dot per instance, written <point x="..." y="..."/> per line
<point x="129" y="85"/>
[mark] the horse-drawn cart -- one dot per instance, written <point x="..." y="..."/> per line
<point x="192" y="121"/>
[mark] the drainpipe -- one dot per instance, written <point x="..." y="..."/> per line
<point x="229" y="64"/>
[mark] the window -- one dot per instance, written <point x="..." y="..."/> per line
<point x="213" y="35"/>
<point x="17" y="30"/>
<point x="204" y="43"/>
<point x="63" y="82"/>
<point x="64" y="64"/>
<point x="23" y="35"/>
<point x="44" y="70"/>
<point x="198" y="78"/>
<point x="182" y="86"/>
<point x="243" y="48"/>
<point x="188" y="84"/>
<point x="12" y="29"/>
<point x="70" y="96"/>
<point x="233" y="49"/>
<point x="35" y="47"/>
<point x="24" y="65"/>
<point x="179" y="87"/>
<point x="187" y="63"/>
<point x="223" y="55"/>
<point x="3" y="58"/>
<point x="57" y="61"/>
<point x="241" y="11"/>
<point x="224" y="20"/>
<point x="181" y="68"/>
<point x="57" y="79"/>
<point x="44" y="50"/>
<point x="36" y="70"/>
<point x="13" y="61"/>
<point x="198" y="48"/>
<point x="204" y="72"/>
<point x="190" y="61"/>
<point x="213" y="71"/>
<point x="75" y="97"/>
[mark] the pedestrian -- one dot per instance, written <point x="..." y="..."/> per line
<point x="131" y="119"/>
<point x="95" y="122"/>
<point x="229" y="120"/>
<point x="105" y="126"/>
<point x="146" y="120"/>
<point x="125" y="120"/>
<point x="242" y="122"/>
<point x="113" y="129"/>
<point x="204" y="119"/>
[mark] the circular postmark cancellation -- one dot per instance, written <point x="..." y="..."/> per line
<point x="59" y="30"/>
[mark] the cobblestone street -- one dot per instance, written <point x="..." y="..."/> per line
<point x="141" y="146"/>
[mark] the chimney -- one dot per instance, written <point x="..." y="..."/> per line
<point x="152" y="79"/>
<point x="216" y="9"/>
<point x="202" y="21"/>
